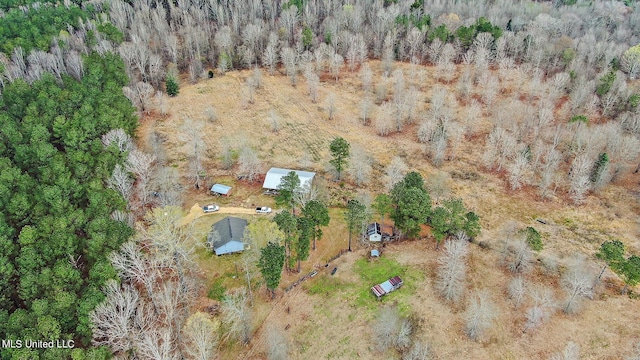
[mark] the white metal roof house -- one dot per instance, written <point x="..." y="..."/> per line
<point x="231" y="232"/>
<point x="274" y="175"/>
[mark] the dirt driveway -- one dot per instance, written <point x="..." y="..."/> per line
<point x="196" y="212"/>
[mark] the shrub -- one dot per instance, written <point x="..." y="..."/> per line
<point x="534" y="240"/>
<point x="172" y="86"/>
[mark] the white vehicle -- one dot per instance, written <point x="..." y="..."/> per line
<point x="263" y="210"/>
<point x="210" y="208"/>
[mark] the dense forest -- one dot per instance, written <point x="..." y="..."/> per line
<point x="57" y="218"/>
<point x="75" y="76"/>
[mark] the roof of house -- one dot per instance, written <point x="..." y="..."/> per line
<point x="373" y="228"/>
<point x="231" y="230"/>
<point x="232" y="246"/>
<point x="221" y="189"/>
<point x="274" y="175"/>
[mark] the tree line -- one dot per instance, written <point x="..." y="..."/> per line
<point x="59" y="218"/>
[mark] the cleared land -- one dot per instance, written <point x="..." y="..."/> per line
<point x="329" y="317"/>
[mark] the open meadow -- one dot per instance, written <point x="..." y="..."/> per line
<point x="332" y="317"/>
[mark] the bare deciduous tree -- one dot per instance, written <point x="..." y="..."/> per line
<point x="121" y="181"/>
<point x="578" y="281"/>
<point x="547" y="167"/>
<point x="542" y="308"/>
<point x="388" y="54"/>
<point x="366" y="105"/>
<point x="112" y="321"/>
<point x="135" y="268"/>
<point x="499" y="148"/>
<point x="157" y="343"/>
<point x="517" y="290"/>
<point x="250" y="91"/>
<point x="274" y="121"/>
<point x="360" y="165"/>
<point x="438" y="184"/>
<point x="237" y="314"/>
<point x="313" y="83"/>
<point x="141" y="165"/>
<point x="224" y="42"/>
<point x="195" y="149"/>
<point x="73" y="62"/>
<point x="450" y="281"/>
<point x="249" y="165"/>
<point x="330" y="106"/>
<point x="384" y="119"/>
<point x="579" y="178"/>
<point x="489" y="89"/>
<point x="366" y="76"/>
<point x="386" y="327"/>
<point x="516" y="254"/>
<point x="119" y="138"/>
<point x="335" y="64"/>
<point x="290" y="62"/>
<point x="419" y="350"/>
<point x="140" y="95"/>
<point x="357" y="51"/>
<point x="394" y="172"/>
<point x="200" y="337"/>
<point x="480" y="315"/>
<point x="160" y="103"/>
<point x="166" y="181"/>
<point x="517" y="170"/>
<point x="270" y="54"/>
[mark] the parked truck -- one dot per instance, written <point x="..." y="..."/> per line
<point x="263" y="210"/>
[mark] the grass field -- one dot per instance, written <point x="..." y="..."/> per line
<point x="330" y="317"/>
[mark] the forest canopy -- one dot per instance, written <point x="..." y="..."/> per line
<point x="56" y="226"/>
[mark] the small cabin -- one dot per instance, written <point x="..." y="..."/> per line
<point x="374" y="233"/>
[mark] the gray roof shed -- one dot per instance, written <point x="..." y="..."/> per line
<point x="231" y="231"/>
<point x="221" y="189"/>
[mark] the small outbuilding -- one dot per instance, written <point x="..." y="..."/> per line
<point x="386" y="287"/>
<point x="275" y="175"/>
<point x="374" y="233"/>
<point x="375" y="253"/>
<point x="226" y="236"/>
<point x="219" y="189"/>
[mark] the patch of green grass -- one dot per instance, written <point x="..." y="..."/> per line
<point x="379" y="270"/>
<point x="217" y="290"/>
<point x="325" y="286"/>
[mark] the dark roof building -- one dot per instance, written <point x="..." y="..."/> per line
<point x="228" y="239"/>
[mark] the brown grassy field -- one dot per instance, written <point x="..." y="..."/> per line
<point x="331" y="324"/>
